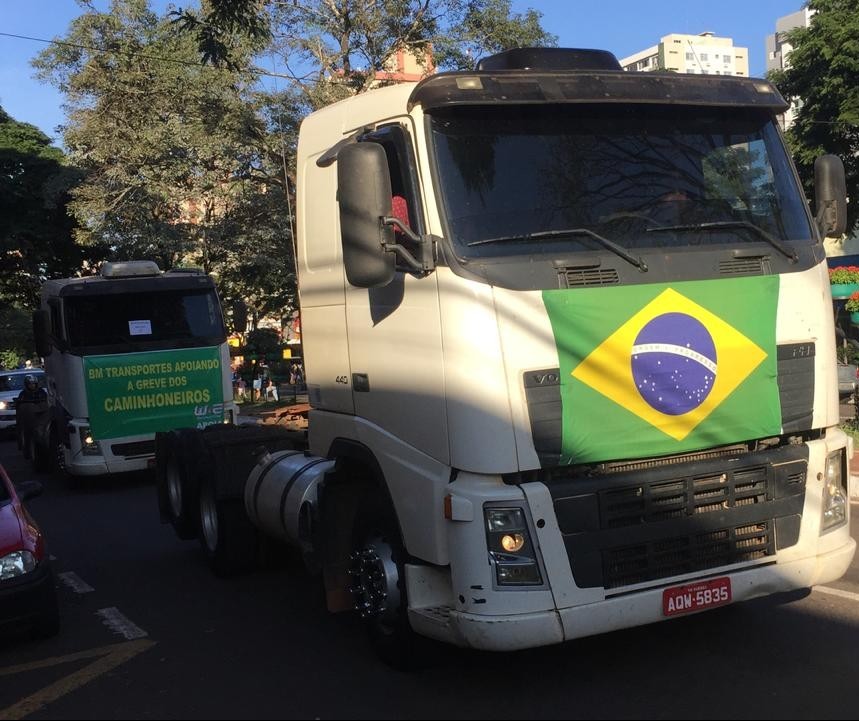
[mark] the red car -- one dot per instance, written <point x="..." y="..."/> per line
<point x="28" y="597"/>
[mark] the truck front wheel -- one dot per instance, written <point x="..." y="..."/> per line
<point x="378" y="586"/>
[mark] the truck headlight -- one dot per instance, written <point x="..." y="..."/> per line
<point x="834" y="491"/>
<point x="16" y="564"/>
<point x="3" y="405"/>
<point x="89" y="445"/>
<point x="511" y="551"/>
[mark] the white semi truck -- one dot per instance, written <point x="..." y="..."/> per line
<point x="129" y="352"/>
<point x="571" y="363"/>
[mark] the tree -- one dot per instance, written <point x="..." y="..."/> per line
<point x="176" y="154"/>
<point x="334" y="48"/>
<point x="36" y="239"/>
<point x="824" y="76"/>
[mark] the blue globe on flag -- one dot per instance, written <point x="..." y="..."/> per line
<point x="674" y="363"/>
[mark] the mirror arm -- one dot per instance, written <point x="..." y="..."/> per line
<point x="826" y="208"/>
<point x="426" y="264"/>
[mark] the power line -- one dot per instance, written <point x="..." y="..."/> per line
<point x="148" y="56"/>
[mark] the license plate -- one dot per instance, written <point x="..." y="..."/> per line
<point x="696" y="596"/>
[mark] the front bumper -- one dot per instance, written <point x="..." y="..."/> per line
<point x="97" y="466"/>
<point x="25" y="599"/>
<point x="530" y="630"/>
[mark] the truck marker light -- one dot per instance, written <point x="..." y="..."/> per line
<point x="469" y="83"/>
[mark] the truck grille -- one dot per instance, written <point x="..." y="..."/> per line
<point x="637" y="526"/>
<point x="684" y="497"/>
<point x="685" y="554"/>
<point x="140" y="448"/>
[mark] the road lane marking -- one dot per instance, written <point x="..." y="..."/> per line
<point x="838" y="592"/>
<point x="116" y="622"/>
<point x="107" y="659"/>
<point x="75" y="582"/>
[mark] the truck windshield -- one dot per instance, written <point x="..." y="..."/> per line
<point x="126" y="322"/>
<point x="540" y="179"/>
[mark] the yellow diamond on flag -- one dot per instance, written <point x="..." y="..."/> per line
<point x="671" y="364"/>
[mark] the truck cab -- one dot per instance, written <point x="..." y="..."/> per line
<point x="129" y="352"/>
<point x="575" y="323"/>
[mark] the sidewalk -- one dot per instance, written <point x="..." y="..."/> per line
<point x="288" y="410"/>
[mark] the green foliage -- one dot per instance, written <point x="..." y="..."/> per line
<point x="190" y="163"/>
<point x="344" y="44"/>
<point x="16" y="335"/>
<point x="181" y="165"/>
<point x="824" y="76"/>
<point x="263" y="342"/>
<point x="36" y="239"/>
<point x="218" y="33"/>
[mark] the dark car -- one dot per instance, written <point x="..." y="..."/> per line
<point x="11" y="384"/>
<point x="28" y="596"/>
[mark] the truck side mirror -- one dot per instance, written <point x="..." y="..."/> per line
<point x="364" y="194"/>
<point x="240" y="316"/>
<point x="42" y="332"/>
<point x="830" y="195"/>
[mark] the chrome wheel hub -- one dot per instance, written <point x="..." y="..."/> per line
<point x="375" y="581"/>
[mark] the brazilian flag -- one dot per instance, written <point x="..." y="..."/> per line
<point x="651" y="370"/>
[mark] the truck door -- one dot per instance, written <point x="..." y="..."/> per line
<point x="395" y="331"/>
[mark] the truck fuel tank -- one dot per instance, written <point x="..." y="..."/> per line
<point x="281" y="495"/>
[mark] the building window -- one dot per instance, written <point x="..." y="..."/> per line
<point x="690" y="56"/>
<point x="704" y="56"/>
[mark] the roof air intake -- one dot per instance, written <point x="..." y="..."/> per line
<point x="550" y="59"/>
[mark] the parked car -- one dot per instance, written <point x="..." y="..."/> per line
<point x="28" y="596"/>
<point x="11" y="384"/>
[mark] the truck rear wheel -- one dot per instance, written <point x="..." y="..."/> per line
<point x="227" y="537"/>
<point x="179" y="479"/>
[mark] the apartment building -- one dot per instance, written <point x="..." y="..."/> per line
<point x="778" y="52"/>
<point x="777" y="47"/>
<point x="704" y="54"/>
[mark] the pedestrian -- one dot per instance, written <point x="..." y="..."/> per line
<point x="29" y="404"/>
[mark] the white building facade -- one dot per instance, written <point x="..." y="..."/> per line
<point x="779" y="49"/>
<point x="704" y="54"/>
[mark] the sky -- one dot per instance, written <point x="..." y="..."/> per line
<point x="621" y="26"/>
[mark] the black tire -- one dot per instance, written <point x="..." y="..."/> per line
<point x="42" y="454"/>
<point x="47" y="623"/>
<point x="228" y="538"/>
<point x="180" y="455"/>
<point x="26" y="444"/>
<point x="390" y="633"/>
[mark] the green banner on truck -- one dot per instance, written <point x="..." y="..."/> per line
<point x="142" y="393"/>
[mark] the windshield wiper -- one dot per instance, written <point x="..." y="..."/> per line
<point x="603" y="241"/>
<point x="717" y="225"/>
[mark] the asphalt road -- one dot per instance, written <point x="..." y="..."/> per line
<point x="149" y="633"/>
